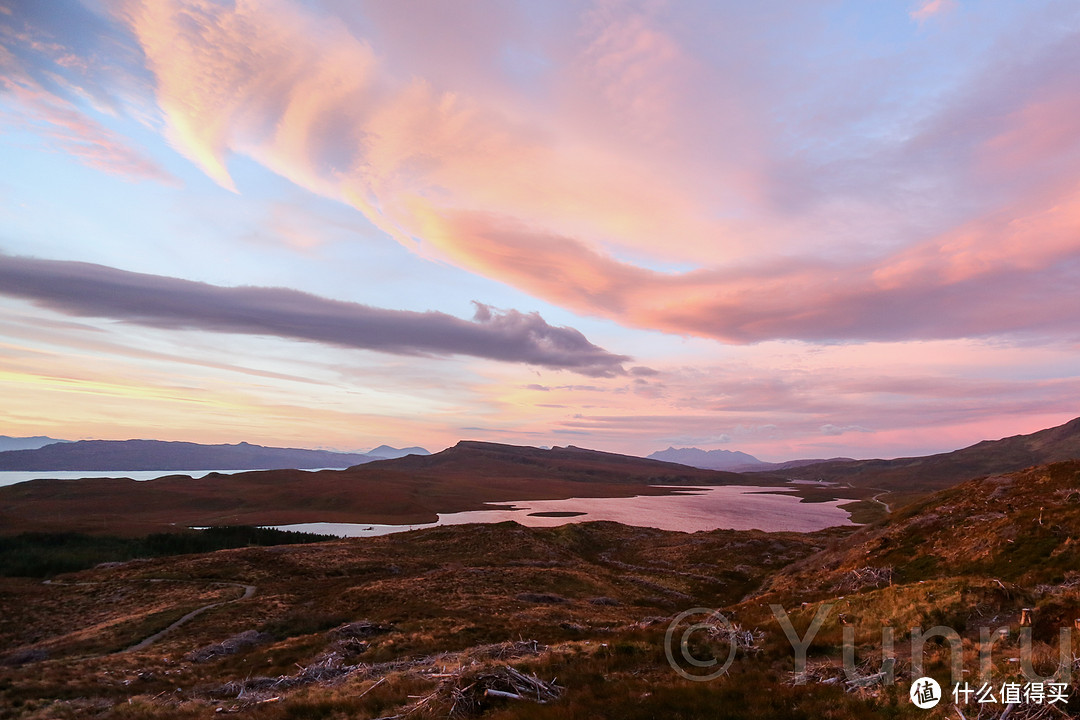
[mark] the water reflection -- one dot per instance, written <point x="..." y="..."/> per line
<point x="693" y="509"/>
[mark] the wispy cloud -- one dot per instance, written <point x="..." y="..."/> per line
<point x="83" y="289"/>
<point x="53" y="62"/>
<point x="455" y="175"/>
<point x="830" y="429"/>
<point x="741" y="172"/>
<point x="929" y="8"/>
<point x="73" y="133"/>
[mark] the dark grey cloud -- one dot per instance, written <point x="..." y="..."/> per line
<point x="88" y="290"/>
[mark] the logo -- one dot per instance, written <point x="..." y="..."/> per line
<point x="925" y="693"/>
<point x="698" y="645"/>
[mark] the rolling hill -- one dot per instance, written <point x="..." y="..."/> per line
<point x="1020" y="527"/>
<point x="912" y="477"/>
<point x="421" y="624"/>
<point x="410" y="625"/>
<point x="109" y="455"/>
<point x="408" y="490"/>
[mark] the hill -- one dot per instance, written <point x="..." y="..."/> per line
<point x="490" y="459"/>
<point x="593" y="620"/>
<point x="408" y="490"/>
<point x="111" y="455"/>
<point x="909" y="478"/>
<point x="1018" y="527"/>
<point x="416" y="625"/>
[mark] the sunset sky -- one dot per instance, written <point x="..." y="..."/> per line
<point x="795" y="229"/>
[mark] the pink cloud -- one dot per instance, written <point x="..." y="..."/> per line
<point x="931" y="8"/>
<point x="784" y="410"/>
<point x="981" y="281"/>
<point x="556" y="202"/>
<point x="73" y="133"/>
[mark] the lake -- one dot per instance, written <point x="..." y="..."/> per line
<point x="731" y="507"/>
<point x="735" y="507"/>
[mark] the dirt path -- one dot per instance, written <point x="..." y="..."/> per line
<point x="249" y="590"/>
<point x="876" y="499"/>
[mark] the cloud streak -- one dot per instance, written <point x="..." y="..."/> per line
<point x="896" y="247"/>
<point x="69" y="131"/>
<point x="88" y="290"/>
<point x="981" y="280"/>
<point x="50" y="65"/>
<point x="894" y="185"/>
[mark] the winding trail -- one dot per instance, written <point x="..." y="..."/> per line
<point x="249" y="590"/>
<point x="876" y="498"/>
<point x="888" y="508"/>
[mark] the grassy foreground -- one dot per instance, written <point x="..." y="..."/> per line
<point x="581" y="621"/>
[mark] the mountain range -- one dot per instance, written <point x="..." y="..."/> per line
<point x="730" y="460"/>
<point x="408" y="490"/>
<point x="709" y="459"/>
<point x="385" y="452"/>
<point x="132" y="455"/>
<point x="26" y="443"/>
<point x="416" y="488"/>
<point x="411" y="624"/>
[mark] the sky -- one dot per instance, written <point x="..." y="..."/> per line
<point x="795" y="229"/>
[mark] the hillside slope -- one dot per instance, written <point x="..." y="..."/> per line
<point x="109" y="455"/>
<point x="409" y="490"/>
<point x="1021" y="527"/>
<point x="915" y="476"/>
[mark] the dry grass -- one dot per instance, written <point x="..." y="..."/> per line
<point x="421" y="625"/>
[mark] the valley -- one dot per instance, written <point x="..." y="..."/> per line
<point x="580" y="620"/>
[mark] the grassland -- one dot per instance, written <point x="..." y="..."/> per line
<point x="579" y="602"/>
<point x="451" y="621"/>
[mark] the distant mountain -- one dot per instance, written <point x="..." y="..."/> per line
<point x="386" y="452"/>
<point x="729" y="460"/>
<point x="473" y="458"/>
<point x="792" y="464"/>
<point x="26" y="443"/>
<point x="708" y="459"/>
<point x="412" y="489"/>
<point x="416" y="488"/>
<point x="120" y="455"/>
